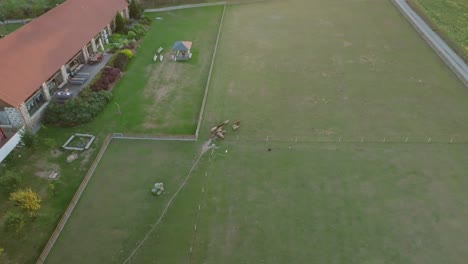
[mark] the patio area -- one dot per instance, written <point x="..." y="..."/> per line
<point x="70" y="90"/>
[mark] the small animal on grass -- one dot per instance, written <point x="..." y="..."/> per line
<point x="236" y="125"/>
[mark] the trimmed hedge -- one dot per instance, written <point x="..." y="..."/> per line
<point x="79" y="110"/>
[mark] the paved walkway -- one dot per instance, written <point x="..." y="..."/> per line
<point x="445" y="52"/>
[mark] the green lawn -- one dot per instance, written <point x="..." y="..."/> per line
<point x="8" y="28"/>
<point x="174" y="111"/>
<point x="17" y="9"/>
<point x="165" y="97"/>
<point x="117" y="206"/>
<point x="317" y="70"/>
<point x="450" y="17"/>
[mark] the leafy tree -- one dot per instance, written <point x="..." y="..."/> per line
<point x="27" y="199"/>
<point x="134" y="10"/>
<point x="14" y="221"/>
<point x="119" y="23"/>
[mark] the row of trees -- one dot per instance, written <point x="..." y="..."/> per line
<point x="134" y="11"/>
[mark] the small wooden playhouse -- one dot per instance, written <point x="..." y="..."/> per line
<point x="181" y="51"/>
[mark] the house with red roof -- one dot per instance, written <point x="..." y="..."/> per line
<point x="36" y="59"/>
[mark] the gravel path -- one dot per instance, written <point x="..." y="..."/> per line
<point x="455" y="63"/>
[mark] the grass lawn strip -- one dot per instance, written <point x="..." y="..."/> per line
<point x="6" y="29"/>
<point x="449" y="19"/>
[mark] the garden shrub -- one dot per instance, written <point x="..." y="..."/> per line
<point x="26" y="199"/>
<point x="131" y="35"/>
<point x="134" y="10"/>
<point x="78" y="110"/>
<point x="9" y="182"/>
<point x="110" y="62"/>
<point x="108" y="76"/>
<point x="115" y="37"/>
<point x="127" y="53"/>
<point x="119" y="23"/>
<point x="28" y="139"/>
<point x="145" y="20"/>
<point x="13" y="221"/>
<point x="139" y="29"/>
<point x="130" y="46"/>
<point x="120" y="61"/>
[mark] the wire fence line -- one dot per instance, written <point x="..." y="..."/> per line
<point x="161" y="137"/>
<point x="414" y="139"/>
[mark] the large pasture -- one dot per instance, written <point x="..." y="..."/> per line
<point x="309" y="80"/>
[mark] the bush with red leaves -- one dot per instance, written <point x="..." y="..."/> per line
<point x="108" y="76"/>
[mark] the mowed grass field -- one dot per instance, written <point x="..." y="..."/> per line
<point x="317" y="70"/>
<point x="117" y="207"/>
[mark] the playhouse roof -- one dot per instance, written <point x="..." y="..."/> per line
<point x="182" y="45"/>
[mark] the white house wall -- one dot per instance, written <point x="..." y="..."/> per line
<point x="14" y="116"/>
<point x="10" y="145"/>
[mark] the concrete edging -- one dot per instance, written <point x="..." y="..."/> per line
<point x="58" y="229"/>
<point x="202" y="109"/>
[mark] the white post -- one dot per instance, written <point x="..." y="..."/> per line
<point x="100" y="44"/>
<point x="85" y="53"/>
<point x="93" y="45"/>
<point x="46" y="91"/>
<point x="64" y="73"/>
<point x="109" y="29"/>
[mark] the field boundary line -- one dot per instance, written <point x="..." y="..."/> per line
<point x="58" y="229"/>
<point x="178" y="7"/>
<point x="453" y="61"/>
<point x="450" y="140"/>
<point x="160" y="137"/>
<point x="202" y="109"/>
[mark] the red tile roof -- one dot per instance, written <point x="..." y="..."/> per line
<point x="34" y="52"/>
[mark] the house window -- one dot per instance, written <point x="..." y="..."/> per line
<point x="4" y="117"/>
<point x="35" y="102"/>
<point x="54" y="82"/>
